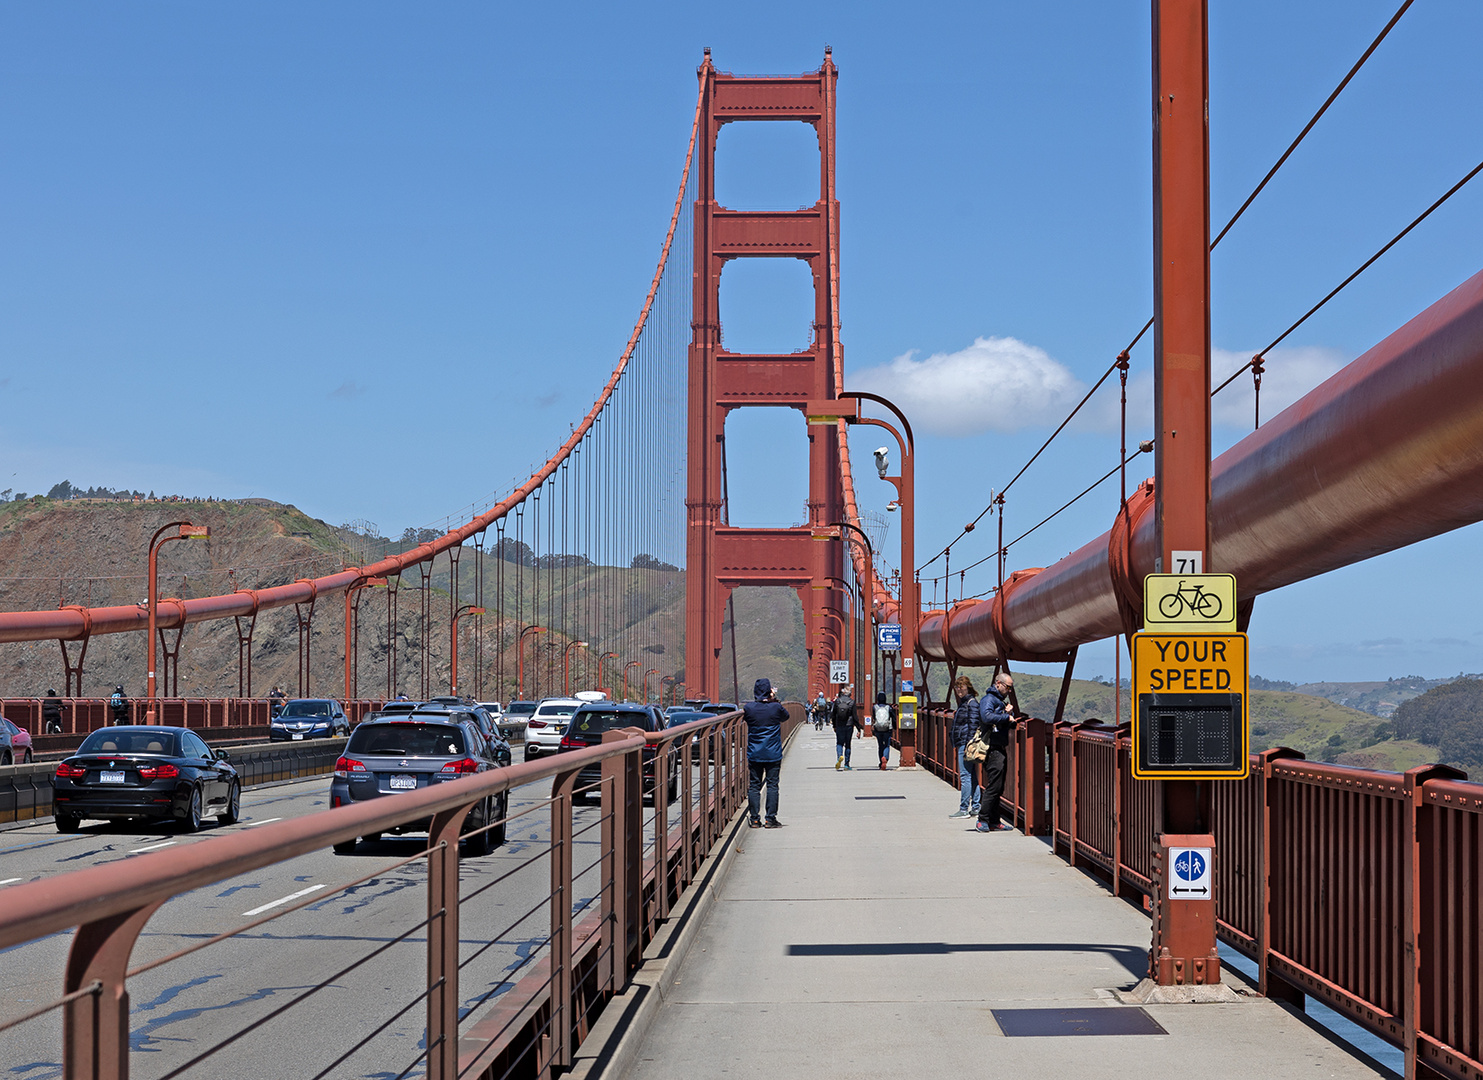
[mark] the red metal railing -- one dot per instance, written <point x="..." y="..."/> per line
<point x="533" y="1027"/>
<point x="82" y="715"/>
<point x="1359" y="887"/>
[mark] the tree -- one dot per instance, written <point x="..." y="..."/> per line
<point x="649" y="562"/>
<point x="1449" y="717"/>
<point x="514" y="551"/>
<point x="61" y="491"/>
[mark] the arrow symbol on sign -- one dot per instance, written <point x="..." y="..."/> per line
<point x="1202" y="890"/>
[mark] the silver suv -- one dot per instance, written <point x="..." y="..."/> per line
<point x="546" y="725"/>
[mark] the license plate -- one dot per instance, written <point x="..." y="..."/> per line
<point x="110" y="777"/>
<point x="298" y="735"/>
<point x="403" y="783"/>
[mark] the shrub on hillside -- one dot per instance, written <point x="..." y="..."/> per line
<point x="1449" y="717"/>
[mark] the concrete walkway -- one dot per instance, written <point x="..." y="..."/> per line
<point x="872" y="937"/>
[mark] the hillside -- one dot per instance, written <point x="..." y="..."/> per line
<point x="1321" y="729"/>
<point x="92" y="553"/>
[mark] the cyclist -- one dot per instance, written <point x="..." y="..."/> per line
<point x="51" y="714"/>
<point x="118" y="705"/>
<point x="821" y="711"/>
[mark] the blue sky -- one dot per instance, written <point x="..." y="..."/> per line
<point x="242" y="242"/>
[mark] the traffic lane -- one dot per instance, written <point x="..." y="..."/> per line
<point x="189" y="1005"/>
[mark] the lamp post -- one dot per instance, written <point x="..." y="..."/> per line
<point x="566" y="665"/>
<point x="467" y="609"/>
<point x="651" y="671"/>
<point x="866" y="583"/>
<point x="600" y="659"/>
<point x="911" y="592"/>
<point x="631" y="663"/>
<point x="186" y="531"/>
<point x="667" y="679"/>
<point x="520" y="658"/>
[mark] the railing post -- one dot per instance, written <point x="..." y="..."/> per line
<point x="687" y="812"/>
<point x="561" y="917"/>
<point x="95" y="1027"/>
<point x="1034" y="776"/>
<point x="442" y="944"/>
<point x="1270" y="985"/>
<point x="662" y="897"/>
<point x="1417" y="836"/>
<point x="622" y="846"/>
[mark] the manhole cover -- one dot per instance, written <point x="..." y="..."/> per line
<point x="1102" y="1021"/>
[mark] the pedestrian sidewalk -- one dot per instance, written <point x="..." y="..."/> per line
<point x="874" y="937"/>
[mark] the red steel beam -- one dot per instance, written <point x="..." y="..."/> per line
<point x="1386" y="453"/>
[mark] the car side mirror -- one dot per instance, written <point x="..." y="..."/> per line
<point x="220" y="755"/>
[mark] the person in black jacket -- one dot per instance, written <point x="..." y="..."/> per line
<point x="965" y="723"/>
<point x="764" y="718"/>
<point x="996" y="718"/>
<point x="845" y="724"/>
<point x="51" y="714"/>
<point x="118" y="706"/>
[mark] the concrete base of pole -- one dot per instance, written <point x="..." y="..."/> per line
<point x="1149" y="992"/>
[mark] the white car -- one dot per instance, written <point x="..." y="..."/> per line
<point x="544" y="728"/>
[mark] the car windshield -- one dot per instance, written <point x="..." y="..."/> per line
<point x="114" y="741"/>
<point x="686" y="716"/>
<point x="718" y="709"/>
<point x="594" y="721"/>
<point x="521" y="708"/>
<point x="561" y="712"/>
<point x="407" y="740"/>
<point x="306" y="708"/>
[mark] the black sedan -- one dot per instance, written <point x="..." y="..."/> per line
<point x="411" y="751"/>
<point x="591" y="721"/>
<point x="309" y="718"/>
<point x="158" y="773"/>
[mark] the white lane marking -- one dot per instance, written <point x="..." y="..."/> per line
<point x="287" y="899"/>
<point x="11" y="880"/>
<point x="250" y="824"/>
<point x="153" y="847"/>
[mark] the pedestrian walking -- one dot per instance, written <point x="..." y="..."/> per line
<point x="845" y="725"/>
<point x="764" y="717"/>
<point x="882" y="721"/>
<point x="276" y="699"/>
<point x="821" y="711"/>
<point x="996" y="718"/>
<point x="965" y="723"/>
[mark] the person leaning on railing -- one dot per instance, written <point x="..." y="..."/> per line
<point x="965" y="723"/>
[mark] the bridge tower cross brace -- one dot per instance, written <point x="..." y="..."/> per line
<point x="720" y="557"/>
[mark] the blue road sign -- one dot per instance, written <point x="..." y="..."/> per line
<point x="889" y="637"/>
<point x="1189" y="865"/>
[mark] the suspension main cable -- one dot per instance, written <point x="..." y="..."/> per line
<point x="1453" y="190"/>
<point x="1309" y="126"/>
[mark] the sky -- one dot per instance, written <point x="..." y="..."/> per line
<point x="244" y="244"/>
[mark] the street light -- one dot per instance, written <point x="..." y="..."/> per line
<point x="520" y="658"/>
<point x="566" y="666"/>
<point x="911" y="595"/>
<point x="651" y="671"/>
<point x="467" y="609"/>
<point x="667" y="679"/>
<point x="631" y="663"/>
<point x="866" y="583"/>
<point x="187" y="531"/>
<point x="600" y="659"/>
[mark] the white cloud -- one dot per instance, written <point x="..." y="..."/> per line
<point x="995" y="384"/>
<point x="1005" y="385"/>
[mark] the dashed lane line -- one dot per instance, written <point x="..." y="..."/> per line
<point x="152" y="847"/>
<point x="11" y="880"/>
<point x="265" y="821"/>
<point x="285" y="900"/>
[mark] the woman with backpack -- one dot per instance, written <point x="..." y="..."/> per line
<point x="882" y="721"/>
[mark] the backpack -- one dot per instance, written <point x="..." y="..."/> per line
<point x="116" y="701"/>
<point x="882" y="721"/>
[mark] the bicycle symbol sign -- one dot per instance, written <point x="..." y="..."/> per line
<point x="1199" y="603"/>
<point x="1191" y="877"/>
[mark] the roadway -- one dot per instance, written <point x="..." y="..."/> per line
<point x="183" y="1008"/>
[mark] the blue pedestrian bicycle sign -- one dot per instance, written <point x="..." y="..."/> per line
<point x="1189" y="873"/>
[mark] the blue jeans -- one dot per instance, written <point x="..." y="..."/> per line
<point x="763" y="771"/>
<point x="969" y="793"/>
<point x="843" y="748"/>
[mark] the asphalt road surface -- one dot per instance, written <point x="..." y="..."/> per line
<point x="189" y="1006"/>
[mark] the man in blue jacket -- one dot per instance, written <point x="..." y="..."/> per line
<point x="996" y="717"/>
<point x="764" y="717"/>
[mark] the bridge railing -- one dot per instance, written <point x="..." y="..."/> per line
<point x="587" y="957"/>
<point x="1358" y="887"/>
<point x="82" y="715"/>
